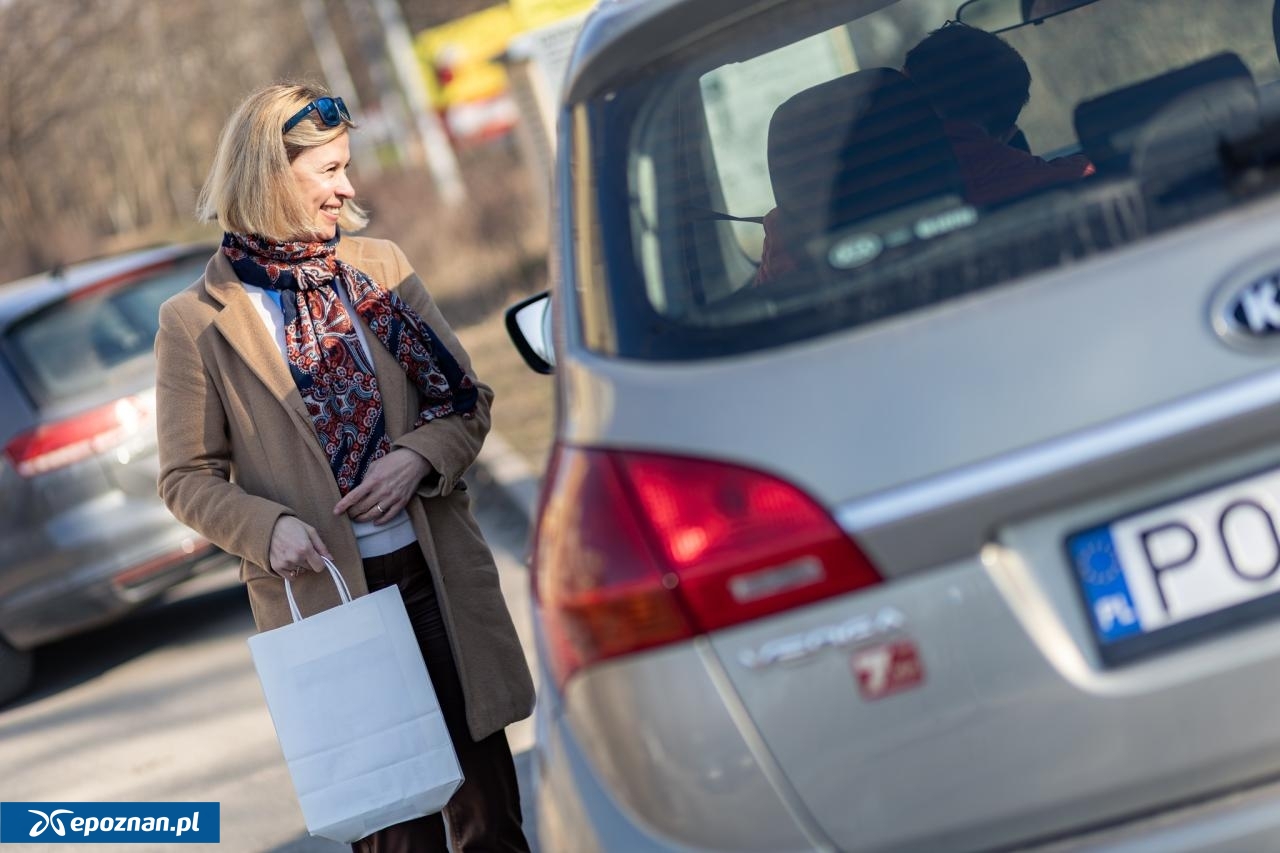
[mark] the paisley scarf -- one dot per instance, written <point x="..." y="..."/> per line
<point x="333" y="372"/>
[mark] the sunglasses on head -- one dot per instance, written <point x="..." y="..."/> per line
<point x="330" y="110"/>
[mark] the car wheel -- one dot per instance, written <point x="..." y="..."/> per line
<point x="15" y="672"/>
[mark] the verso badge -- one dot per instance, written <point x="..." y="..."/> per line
<point x="854" y="631"/>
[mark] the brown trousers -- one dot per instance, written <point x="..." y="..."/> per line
<point x="484" y="814"/>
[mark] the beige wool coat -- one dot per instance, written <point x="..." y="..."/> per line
<point x="238" y="451"/>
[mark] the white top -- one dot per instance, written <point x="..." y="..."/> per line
<point x="373" y="539"/>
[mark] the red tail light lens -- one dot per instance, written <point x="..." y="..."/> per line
<point x="595" y="575"/>
<point x="636" y="550"/>
<point x="62" y="443"/>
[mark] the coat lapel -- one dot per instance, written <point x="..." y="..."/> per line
<point x="240" y="325"/>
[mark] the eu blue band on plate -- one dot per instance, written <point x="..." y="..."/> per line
<point x="110" y="823"/>
<point x="1097" y="566"/>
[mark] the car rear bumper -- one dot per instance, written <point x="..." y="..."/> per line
<point x="100" y="591"/>
<point x="626" y="762"/>
<point x="576" y="815"/>
<point x="1244" y="820"/>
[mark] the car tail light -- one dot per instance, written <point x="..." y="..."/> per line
<point x="636" y="550"/>
<point x="55" y="445"/>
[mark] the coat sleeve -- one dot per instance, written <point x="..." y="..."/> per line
<point x="450" y="444"/>
<point x="195" y="451"/>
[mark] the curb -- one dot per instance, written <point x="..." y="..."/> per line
<point x="511" y="473"/>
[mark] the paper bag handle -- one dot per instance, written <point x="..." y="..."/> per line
<point x="343" y="592"/>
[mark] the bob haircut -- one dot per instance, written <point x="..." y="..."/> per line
<point x="250" y="188"/>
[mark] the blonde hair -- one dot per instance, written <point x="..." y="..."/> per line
<point x="250" y="188"/>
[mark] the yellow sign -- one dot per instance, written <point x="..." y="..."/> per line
<point x="538" y="13"/>
<point x="458" y="56"/>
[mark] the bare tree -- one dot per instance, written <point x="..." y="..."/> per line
<point x="112" y="109"/>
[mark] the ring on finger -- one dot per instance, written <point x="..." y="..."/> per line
<point x="380" y="510"/>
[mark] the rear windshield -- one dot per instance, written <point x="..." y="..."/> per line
<point x="100" y="338"/>
<point x="814" y="168"/>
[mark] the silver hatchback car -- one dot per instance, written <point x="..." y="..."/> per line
<point x="911" y="491"/>
<point x="84" y="536"/>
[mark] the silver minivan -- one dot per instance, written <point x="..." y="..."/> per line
<point x="902" y="500"/>
<point x="84" y="536"/>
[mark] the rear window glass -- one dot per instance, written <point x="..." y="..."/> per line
<point x="790" y="177"/>
<point x="98" y="339"/>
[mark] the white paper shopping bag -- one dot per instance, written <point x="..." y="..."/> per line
<point x="356" y="715"/>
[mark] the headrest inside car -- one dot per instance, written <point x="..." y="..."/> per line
<point x="856" y="146"/>
<point x="1108" y="126"/>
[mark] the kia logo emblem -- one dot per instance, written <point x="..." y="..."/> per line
<point x="1255" y="309"/>
<point x="1246" y="308"/>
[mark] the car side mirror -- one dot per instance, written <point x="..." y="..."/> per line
<point x="529" y="325"/>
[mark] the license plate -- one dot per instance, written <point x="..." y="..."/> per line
<point x="1183" y="568"/>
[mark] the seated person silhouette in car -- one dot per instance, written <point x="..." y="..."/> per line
<point x="978" y="85"/>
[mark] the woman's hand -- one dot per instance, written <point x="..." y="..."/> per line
<point x="296" y="547"/>
<point x="386" y="487"/>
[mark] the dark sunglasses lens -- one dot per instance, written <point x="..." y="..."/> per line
<point x="328" y="112"/>
<point x="342" y="109"/>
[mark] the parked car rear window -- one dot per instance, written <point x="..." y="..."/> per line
<point x="783" y="179"/>
<point x="96" y="339"/>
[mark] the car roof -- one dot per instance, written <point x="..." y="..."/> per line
<point x="622" y="36"/>
<point x="21" y="297"/>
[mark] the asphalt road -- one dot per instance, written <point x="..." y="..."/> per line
<point x="166" y="706"/>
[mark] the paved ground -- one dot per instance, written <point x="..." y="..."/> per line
<point x="166" y="706"/>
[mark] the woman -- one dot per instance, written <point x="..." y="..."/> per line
<point x="312" y="402"/>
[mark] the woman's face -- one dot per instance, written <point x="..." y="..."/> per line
<point x="321" y="174"/>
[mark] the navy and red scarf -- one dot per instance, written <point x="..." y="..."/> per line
<point x="334" y="374"/>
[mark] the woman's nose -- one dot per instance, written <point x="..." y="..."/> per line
<point x="345" y="189"/>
